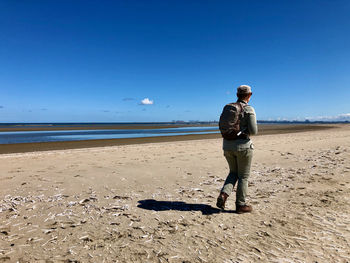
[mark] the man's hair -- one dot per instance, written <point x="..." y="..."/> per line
<point x="242" y="96"/>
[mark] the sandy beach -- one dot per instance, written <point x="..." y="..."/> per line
<point x="155" y="202"/>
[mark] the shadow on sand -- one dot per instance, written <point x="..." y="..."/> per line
<point x="151" y="204"/>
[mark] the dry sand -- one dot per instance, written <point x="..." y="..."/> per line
<point x="156" y="203"/>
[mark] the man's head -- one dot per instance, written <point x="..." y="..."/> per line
<point x="244" y="92"/>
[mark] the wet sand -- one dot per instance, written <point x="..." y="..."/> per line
<point x="48" y="146"/>
<point x="87" y="127"/>
<point x="155" y="202"/>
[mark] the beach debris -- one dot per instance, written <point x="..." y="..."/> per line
<point x="86" y="238"/>
<point x="116" y="208"/>
<point x="71" y="203"/>
<point x="86" y="200"/>
<point x="48" y="231"/>
<point x="122" y="197"/>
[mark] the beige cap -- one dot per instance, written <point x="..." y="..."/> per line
<point x="244" y="89"/>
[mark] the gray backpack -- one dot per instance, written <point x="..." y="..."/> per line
<point x="230" y="119"/>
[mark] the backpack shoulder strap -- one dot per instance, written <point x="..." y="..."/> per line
<point x="240" y="106"/>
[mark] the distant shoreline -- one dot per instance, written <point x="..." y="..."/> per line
<point x="9" y="127"/>
<point x="264" y="129"/>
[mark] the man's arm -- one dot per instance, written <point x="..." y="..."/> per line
<point x="252" y="124"/>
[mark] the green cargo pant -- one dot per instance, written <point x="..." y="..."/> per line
<point x="239" y="163"/>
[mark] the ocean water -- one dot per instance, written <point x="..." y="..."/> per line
<point x="79" y="135"/>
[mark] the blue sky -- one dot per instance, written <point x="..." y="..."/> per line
<point x="81" y="61"/>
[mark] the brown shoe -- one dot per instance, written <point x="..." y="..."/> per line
<point x="221" y="200"/>
<point x="243" y="209"/>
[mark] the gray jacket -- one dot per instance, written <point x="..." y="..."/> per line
<point x="249" y="126"/>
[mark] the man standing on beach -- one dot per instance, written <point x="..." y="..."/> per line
<point x="238" y="151"/>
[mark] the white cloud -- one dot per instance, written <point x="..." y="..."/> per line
<point x="335" y="118"/>
<point x="146" y="101"/>
<point x="340" y="117"/>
